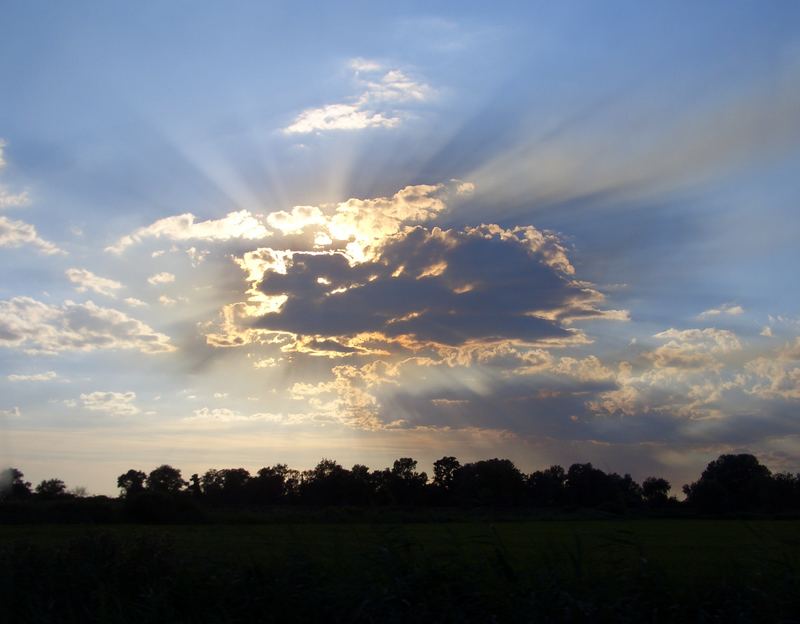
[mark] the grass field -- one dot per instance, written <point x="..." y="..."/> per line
<point x="639" y="570"/>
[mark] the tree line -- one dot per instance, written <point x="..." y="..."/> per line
<point x="731" y="483"/>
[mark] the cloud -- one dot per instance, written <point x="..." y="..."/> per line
<point x="13" y="412"/>
<point x="726" y="309"/>
<point x="375" y="107"/>
<point x="18" y="233"/>
<point x="197" y="256"/>
<point x="185" y="227"/>
<point x="112" y="403"/>
<point x="693" y="348"/>
<point x="86" y="280"/>
<point x="36" y="327"/>
<point x="778" y="374"/>
<point x="48" y="376"/>
<point x="12" y="200"/>
<point x="359" y="227"/>
<point x="169" y="301"/>
<point x="161" y="278"/>
<point x="134" y="302"/>
<point x="446" y="287"/>
<point x="7" y="198"/>
<point x="224" y="415"/>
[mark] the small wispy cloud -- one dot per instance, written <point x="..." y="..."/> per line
<point x="726" y="309"/>
<point x="377" y="106"/>
<point x="87" y="281"/>
<point x="113" y="403"/>
<point x="48" y="376"/>
<point x="18" y="233"/>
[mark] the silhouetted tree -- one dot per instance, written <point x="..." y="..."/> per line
<point x="273" y="484"/>
<point x="131" y="483"/>
<point x="731" y="483"/>
<point x="328" y="483"/>
<point x="444" y="470"/>
<point x="51" y="488"/>
<point x="623" y="493"/>
<point x="165" y="479"/>
<point x="785" y="494"/>
<point x="546" y="487"/>
<point x="402" y="483"/>
<point x="13" y="485"/>
<point x="195" y="487"/>
<point x="655" y="491"/>
<point x="227" y="486"/>
<point x="489" y="482"/>
<point x="586" y="486"/>
<point x="361" y="488"/>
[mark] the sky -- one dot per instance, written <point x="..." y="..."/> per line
<point x="237" y="234"/>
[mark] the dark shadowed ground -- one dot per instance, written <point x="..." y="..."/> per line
<point x="518" y="571"/>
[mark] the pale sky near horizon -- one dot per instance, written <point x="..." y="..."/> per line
<point x="247" y="233"/>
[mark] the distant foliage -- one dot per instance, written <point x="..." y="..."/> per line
<point x="13" y="485"/>
<point x="735" y="483"/>
<point x="51" y="488"/>
<point x="729" y="484"/>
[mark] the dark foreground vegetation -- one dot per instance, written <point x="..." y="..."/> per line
<point x="481" y="542"/>
<point x="655" y="570"/>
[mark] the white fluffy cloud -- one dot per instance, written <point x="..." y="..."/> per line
<point x="185" y="227"/>
<point x="85" y="280"/>
<point x="693" y="348"/>
<point x="112" y="403"/>
<point x="36" y="327"/>
<point x="161" y="278"/>
<point x="375" y="107"/>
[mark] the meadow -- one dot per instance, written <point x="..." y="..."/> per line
<point x="576" y="570"/>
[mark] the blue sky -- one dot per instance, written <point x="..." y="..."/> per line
<point x="242" y="234"/>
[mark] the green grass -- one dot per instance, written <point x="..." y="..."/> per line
<point x="638" y="570"/>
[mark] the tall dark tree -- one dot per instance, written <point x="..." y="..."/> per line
<point x="226" y="486"/>
<point x="731" y="483"/>
<point x="131" y="483"/>
<point x="13" y="485"/>
<point x="655" y="491"/>
<point x="444" y="471"/>
<point x="402" y="484"/>
<point x="165" y="479"/>
<point x="546" y="487"/>
<point x="586" y="486"/>
<point x="489" y="482"/>
<point x="273" y="484"/>
<point x="326" y="484"/>
<point x="785" y="492"/>
<point x="51" y="488"/>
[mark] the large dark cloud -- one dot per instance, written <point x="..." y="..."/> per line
<point x="442" y="286"/>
